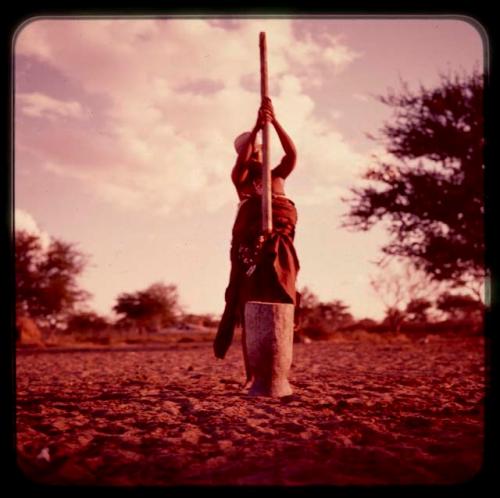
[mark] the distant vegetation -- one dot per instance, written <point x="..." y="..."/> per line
<point x="48" y="294"/>
<point x="459" y="313"/>
<point x="46" y="280"/>
<point x="431" y="193"/>
<point x="151" y="309"/>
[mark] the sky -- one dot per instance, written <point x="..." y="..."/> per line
<point x="124" y="129"/>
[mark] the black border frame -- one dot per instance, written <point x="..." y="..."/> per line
<point x="486" y="480"/>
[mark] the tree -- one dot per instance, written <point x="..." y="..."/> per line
<point x="308" y="300"/>
<point x="154" y="307"/>
<point x="432" y="196"/>
<point x="404" y="289"/>
<point x="87" y="321"/>
<point x="417" y="309"/>
<point x="28" y="253"/>
<point x="394" y="319"/>
<point x="319" y="319"/>
<point x="335" y="314"/>
<point x="46" y="281"/>
<point x="460" y="307"/>
<point x="365" y="324"/>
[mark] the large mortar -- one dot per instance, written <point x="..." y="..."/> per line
<point x="269" y="343"/>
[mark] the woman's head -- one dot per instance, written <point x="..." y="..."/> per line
<point x="242" y="140"/>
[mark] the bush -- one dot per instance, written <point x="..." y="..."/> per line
<point x="316" y="331"/>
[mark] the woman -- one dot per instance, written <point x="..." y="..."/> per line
<point x="263" y="267"/>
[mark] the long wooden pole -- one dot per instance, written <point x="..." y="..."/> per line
<point x="267" y="218"/>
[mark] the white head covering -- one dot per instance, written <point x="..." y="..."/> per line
<point x="242" y="139"/>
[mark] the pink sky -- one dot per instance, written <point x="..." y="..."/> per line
<point x="124" y="131"/>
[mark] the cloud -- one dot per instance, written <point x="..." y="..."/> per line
<point x="25" y="221"/>
<point x="39" y="105"/>
<point x="180" y="90"/>
<point x="325" y="51"/>
<point x="201" y="86"/>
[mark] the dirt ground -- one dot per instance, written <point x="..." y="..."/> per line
<point x="362" y="413"/>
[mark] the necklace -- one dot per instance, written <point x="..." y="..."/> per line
<point x="257" y="185"/>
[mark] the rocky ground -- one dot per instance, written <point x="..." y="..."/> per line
<point x="362" y="412"/>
